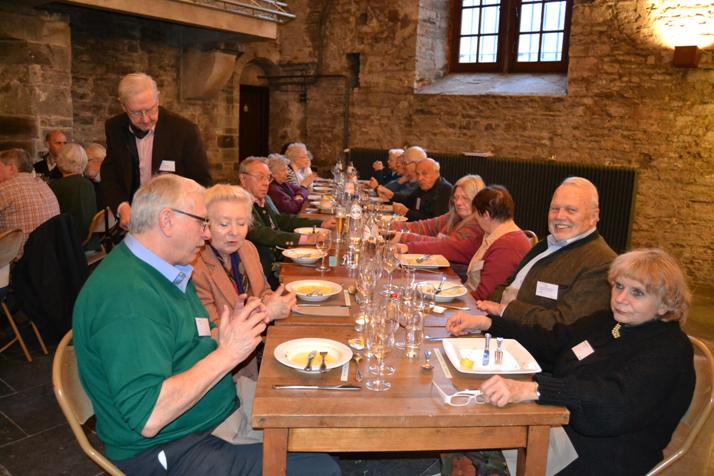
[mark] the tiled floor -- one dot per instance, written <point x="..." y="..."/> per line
<point x="36" y="441"/>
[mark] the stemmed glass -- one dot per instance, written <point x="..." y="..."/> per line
<point x="379" y="333"/>
<point x="367" y="279"/>
<point x="323" y="242"/>
<point x="390" y="260"/>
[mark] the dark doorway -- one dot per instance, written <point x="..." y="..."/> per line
<point x="253" y="129"/>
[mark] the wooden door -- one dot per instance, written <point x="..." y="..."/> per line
<point x="253" y="120"/>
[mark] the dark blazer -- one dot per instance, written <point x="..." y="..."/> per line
<point x="432" y="202"/>
<point x="176" y="139"/>
<point x="41" y="168"/>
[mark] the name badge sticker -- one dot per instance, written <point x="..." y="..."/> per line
<point x="582" y="350"/>
<point x="167" y="166"/>
<point x="547" y="290"/>
<point x="203" y="327"/>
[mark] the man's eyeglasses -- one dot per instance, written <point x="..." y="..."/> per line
<point x="461" y="398"/>
<point x="144" y="112"/>
<point x="261" y="178"/>
<point x="204" y="220"/>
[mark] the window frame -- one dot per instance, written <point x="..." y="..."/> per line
<point x="507" y="52"/>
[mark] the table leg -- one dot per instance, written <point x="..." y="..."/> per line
<point x="532" y="460"/>
<point x="275" y="451"/>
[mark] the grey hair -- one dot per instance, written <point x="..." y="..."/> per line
<point x="418" y="152"/>
<point x="224" y="192"/>
<point x="94" y="146"/>
<point x="396" y="152"/>
<point x="19" y="157"/>
<point x="433" y="162"/>
<point x="162" y="191"/>
<point x="585" y="185"/>
<point x="292" y="148"/>
<point x="276" y="163"/>
<point x="72" y="159"/>
<point x="245" y="163"/>
<point x="136" y="83"/>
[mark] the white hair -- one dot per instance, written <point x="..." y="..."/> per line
<point x="72" y="159"/>
<point x="162" y="191"/>
<point x="136" y="83"/>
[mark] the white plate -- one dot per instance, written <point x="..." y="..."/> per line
<point x="378" y="200"/>
<point x="314" y="196"/>
<point x="303" y="255"/>
<point x="308" y="230"/>
<point x="321" y="189"/>
<point x="303" y="287"/>
<point x="452" y="290"/>
<point x="394" y="218"/>
<point x="434" y="261"/>
<point x="516" y="359"/>
<point x="293" y="352"/>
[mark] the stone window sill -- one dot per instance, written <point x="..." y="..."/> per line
<point x="495" y="84"/>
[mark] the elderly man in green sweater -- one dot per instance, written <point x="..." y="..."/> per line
<point x="157" y="371"/>
<point x="270" y="228"/>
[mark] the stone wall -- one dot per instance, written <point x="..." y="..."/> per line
<point x="625" y="105"/>
<point x="35" y="78"/>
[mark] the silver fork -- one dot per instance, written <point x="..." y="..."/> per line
<point x="323" y="365"/>
<point x="310" y="357"/>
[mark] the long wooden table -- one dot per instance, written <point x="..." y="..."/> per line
<point x="408" y="417"/>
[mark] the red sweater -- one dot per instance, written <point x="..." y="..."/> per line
<point x="500" y="260"/>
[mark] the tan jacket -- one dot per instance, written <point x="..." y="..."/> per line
<point x="215" y="289"/>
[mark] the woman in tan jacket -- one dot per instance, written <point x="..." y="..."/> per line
<point x="228" y="268"/>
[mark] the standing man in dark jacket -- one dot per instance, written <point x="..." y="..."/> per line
<point x="144" y="140"/>
<point x="432" y="197"/>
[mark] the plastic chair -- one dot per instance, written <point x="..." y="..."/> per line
<point x="532" y="237"/>
<point x="10" y="242"/>
<point x="699" y="410"/>
<point x="74" y="402"/>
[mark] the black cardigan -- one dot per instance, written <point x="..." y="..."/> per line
<point x="625" y="399"/>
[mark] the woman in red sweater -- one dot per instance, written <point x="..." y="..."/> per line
<point x="503" y="246"/>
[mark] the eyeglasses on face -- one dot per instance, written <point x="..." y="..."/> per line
<point x="260" y="178"/>
<point x="152" y="111"/>
<point x="204" y="220"/>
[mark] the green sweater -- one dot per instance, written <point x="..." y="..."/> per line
<point x="133" y="329"/>
<point x="75" y="195"/>
<point x="271" y="228"/>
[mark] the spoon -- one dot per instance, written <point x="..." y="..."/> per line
<point x="441" y="285"/>
<point x="310" y="357"/>
<point x="427" y="364"/>
<point x="358" y="373"/>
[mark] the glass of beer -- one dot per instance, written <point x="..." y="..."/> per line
<point x="340" y="222"/>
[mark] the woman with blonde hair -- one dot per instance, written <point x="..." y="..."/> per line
<point x="625" y="374"/>
<point x="456" y="234"/>
<point x="229" y="267"/>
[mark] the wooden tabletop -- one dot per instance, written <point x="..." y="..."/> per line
<point x="408" y="417"/>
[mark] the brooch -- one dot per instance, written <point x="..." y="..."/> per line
<point x="616" y="331"/>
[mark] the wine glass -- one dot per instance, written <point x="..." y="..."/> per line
<point x="390" y="261"/>
<point x="379" y="337"/>
<point x="323" y="242"/>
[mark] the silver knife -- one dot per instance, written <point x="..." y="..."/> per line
<point x="485" y="349"/>
<point x="317" y="387"/>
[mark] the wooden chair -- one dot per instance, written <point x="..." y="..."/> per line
<point x="74" y="402"/>
<point x="699" y="410"/>
<point x="10" y="242"/>
<point x="103" y="220"/>
<point x="532" y="237"/>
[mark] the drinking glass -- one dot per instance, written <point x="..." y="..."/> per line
<point x="340" y="221"/>
<point x="390" y="261"/>
<point x="379" y="333"/>
<point x="323" y="242"/>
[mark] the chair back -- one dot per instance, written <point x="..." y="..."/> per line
<point x="532" y="237"/>
<point x="102" y="221"/>
<point x="10" y="242"/>
<point x="699" y="409"/>
<point x="74" y="402"/>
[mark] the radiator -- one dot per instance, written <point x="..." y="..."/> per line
<point x="532" y="183"/>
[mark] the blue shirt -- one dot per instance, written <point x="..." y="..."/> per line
<point x="178" y="274"/>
